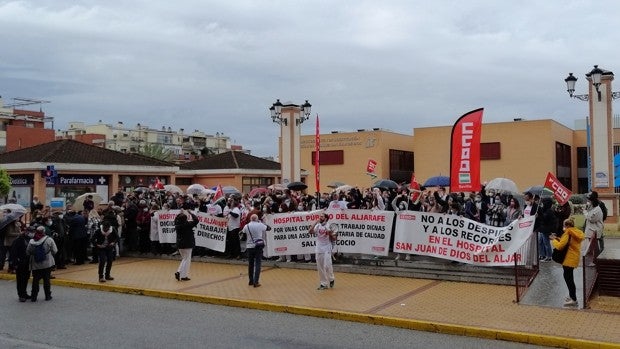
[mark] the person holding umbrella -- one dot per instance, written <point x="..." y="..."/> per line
<point x="9" y="233"/>
<point x="19" y="261"/>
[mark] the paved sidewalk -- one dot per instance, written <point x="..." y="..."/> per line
<point x="477" y="310"/>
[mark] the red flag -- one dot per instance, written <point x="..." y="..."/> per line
<point x="218" y="193"/>
<point x="414" y="186"/>
<point x="465" y="152"/>
<point x="317" y="150"/>
<point x="158" y="184"/>
<point x="560" y="192"/>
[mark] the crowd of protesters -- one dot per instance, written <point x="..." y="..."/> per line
<point x="127" y="223"/>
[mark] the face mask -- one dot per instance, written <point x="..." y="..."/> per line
<point x="60" y="216"/>
<point x="145" y="209"/>
<point x="478" y="199"/>
<point x="48" y="223"/>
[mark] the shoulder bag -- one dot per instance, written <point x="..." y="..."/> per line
<point x="559" y="255"/>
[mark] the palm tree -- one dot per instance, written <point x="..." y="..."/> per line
<point x="157" y="151"/>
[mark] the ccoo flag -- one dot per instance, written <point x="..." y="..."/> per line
<point x="560" y="192"/>
<point x="465" y="152"/>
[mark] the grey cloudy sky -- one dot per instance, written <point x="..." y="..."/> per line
<point x="217" y="66"/>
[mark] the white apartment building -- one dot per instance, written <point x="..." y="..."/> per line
<point x="131" y="139"/>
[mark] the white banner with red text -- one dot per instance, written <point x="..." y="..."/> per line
<point x="359" y="231"/>
<point x="461" y="239"/>
<point x="210" y="231"/>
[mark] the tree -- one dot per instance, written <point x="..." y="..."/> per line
<point x="157" y="151"/>
<point x="5" y="183"/>
<point x="206" y="151"/>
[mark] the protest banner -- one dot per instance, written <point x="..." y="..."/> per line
<point x="461" y="239"/>
<point x="360" y="231"/>
<point x="211" y="232"/>
<point x="363" y="231"/>
<point x="165" y="229"/>
<point x="289" y="233"/>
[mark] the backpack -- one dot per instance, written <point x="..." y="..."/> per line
<point x="604" y="209"/>
<point x="39" y="252"/>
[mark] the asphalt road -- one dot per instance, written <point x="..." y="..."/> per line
<point x="78" y="318"/>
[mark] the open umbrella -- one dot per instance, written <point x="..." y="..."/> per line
<point x="297" y="186"/>
<point x="257" y="191"/>
<point x="13" y="208"/>
<point x="195" y="189"/>
<point x="173" y="188"/>
<point x="229" y="189"/>
<point x="278" y="186"/>
<point x="78" y="204"/>
<point x="343" y="188"/>
<point x="335" y="184"/>
<point x="385" y="184"/>
<point x="437" y="181"/>
<point x="141" y="189"/>
<point x="501" y="184"/>
<point x="206" y="191"/>
<point x="539" y="190"/>
<point x="10" y="217"/>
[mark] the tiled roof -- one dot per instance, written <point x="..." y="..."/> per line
<point x="74" y="152"/>
<point x="231" y="160"/>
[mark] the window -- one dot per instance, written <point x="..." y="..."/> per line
<point x="249" y="183"/>
<point x="563" y="164"/>
<point x="329" y="157"/>
<point x="183" y="181"/>
<point x="490" y="151"/>
<point x="401" y="165"/>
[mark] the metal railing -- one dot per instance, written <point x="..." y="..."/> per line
<point x="526" y="265"/>
<point x="590" y="272"/>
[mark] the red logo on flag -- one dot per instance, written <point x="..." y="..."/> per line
<point x="372" y="165"/>
<point x="560" y="192"/>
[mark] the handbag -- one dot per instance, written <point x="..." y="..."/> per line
<point x="559" y="255"/>
<point x="258" y="243"/>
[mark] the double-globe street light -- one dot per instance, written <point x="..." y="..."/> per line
<point x="600" y="129"/>
<point x="290" y="117"/>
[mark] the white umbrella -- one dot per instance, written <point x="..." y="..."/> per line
<point x="206" y="191"/>
<point x="195" y="189"/>
<point x="173" y="188"/>
<point x="13" y="208"/>
<point x="277" y="187"/>
<point x="343" y="188"/>
<point x="502" y="185"/>
<point x="78" y="204"/>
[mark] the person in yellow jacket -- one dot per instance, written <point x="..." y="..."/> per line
<point x="573" y="255"/>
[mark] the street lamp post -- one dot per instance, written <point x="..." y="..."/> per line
<point x="290" y="117"/>
<point x="600" y="129"/>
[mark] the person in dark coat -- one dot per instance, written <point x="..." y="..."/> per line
<point x="20" y="262"/>
<point x="547" y="223"/>
<point x="78" y="231"/>
<point x="184" y="224"/>
<point x="105" y="239"/>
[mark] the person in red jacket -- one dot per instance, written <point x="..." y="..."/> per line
<point x="573" y="237"/>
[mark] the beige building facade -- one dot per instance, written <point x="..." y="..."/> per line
<point x="521" y="150"/>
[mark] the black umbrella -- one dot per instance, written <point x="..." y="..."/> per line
<point x="539" y="190"/>
<point x="9" y="218"/>
<point x="385" y="184"/>
<point x="297" y="186"/>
